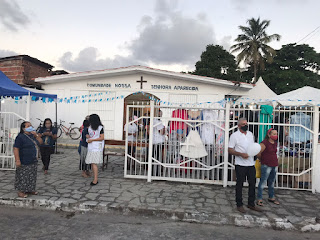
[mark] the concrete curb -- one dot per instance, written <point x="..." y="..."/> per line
<point x="293" y="223"/>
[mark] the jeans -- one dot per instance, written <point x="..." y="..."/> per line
<point x="243" y="172"/>
<point x="267" y="174"/>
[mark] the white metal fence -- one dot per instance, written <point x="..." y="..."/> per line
<point x="9" y="128"/>
<point x="189" y="142"/>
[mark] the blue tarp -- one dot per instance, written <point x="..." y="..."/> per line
<point x="9" y="88"/>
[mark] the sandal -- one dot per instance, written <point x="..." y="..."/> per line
<point x="33" y="193"/>
<point x="260" y="203"/>
<point x="274" y="201"/>
<point x="22" y="195"/>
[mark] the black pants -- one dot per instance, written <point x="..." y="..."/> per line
<point x="45" y="156"/>
<point x="243" y="172"/>
<point x="131" y="150"/>
<point x="157" y="153"/>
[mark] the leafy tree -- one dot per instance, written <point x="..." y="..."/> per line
<point x="218" y="63"/>
<point x="294" y="66"/>
<point x="253" y="45"/>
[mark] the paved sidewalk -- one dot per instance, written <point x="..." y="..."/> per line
<point x="64" y="189"/>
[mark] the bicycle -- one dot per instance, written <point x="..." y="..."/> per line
<point x="40" y="124"/>
<point x="74" y="132"/>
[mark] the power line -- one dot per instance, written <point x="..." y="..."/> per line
<point x="309" y="34"/>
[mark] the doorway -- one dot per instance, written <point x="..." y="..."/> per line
<point x="137" y="99"/>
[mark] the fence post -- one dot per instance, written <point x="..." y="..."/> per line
<point x="315" y="159"/>
<point x="28" y="107"/>
<point x="126" y="143"/>
<point x="226" y="143"/>
<point x="150" y="140"/>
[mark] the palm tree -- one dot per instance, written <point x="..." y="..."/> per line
<point x="253" y="44"/>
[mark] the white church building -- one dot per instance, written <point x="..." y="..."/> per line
<point x="108" y="92"/>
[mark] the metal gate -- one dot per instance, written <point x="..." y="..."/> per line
<point x="9" y="129"/>
<point x="189" y="142"/>
<point x="297" y="128"/>
<point x="162" y="152"/>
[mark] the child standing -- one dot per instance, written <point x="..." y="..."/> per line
<point x="84" y="150"/>
<point x="95" y="139"/>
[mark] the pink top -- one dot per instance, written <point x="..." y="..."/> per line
<point x="179" y="113"/>
<point x="269" y="155"/>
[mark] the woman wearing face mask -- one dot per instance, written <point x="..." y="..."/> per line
<point x="25" y="151"/>
<point x="49" y="135"/>
<point x="269" y="164"/>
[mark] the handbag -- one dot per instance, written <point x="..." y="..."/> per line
<point x="258" y="168"/>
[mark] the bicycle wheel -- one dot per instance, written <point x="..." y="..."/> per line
<point x="59" y="132"/>
<point x="75" y="133"/>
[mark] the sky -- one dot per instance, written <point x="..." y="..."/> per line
<point x="82" y="35"/>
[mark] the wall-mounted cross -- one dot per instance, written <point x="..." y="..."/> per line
<point x="141" y="82"/>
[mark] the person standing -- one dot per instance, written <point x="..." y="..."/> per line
<point x="81" y="129"/>
<point x="26" y="149"/>
<point x="269" y="164"/>
<point x="244" y="164"/>
<point x="49" y="135"/>
<point x="132" y="130"/>
<point x="95" y="139"/>
<point x="158" y="141"/>
<point x="84" y="150"/>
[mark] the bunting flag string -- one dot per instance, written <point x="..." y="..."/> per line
<point x="105" y="97"/>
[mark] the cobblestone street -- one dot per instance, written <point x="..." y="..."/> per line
<point x="64" y="188"/>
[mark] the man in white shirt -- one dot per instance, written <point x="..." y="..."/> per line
<point x="158" y="132"/>
<point x="132" y="130"/>
<point x="158" y="140"/>
<point x="244" y="164"/>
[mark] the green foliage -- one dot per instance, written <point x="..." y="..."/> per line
<point x="218" y="63"/>
<point x="294" y="66"/>
<point x="253" y="45"/>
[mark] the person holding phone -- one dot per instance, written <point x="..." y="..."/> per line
<point x="48" y="134"/>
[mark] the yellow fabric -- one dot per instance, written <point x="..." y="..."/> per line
<point x="258" y="168"/>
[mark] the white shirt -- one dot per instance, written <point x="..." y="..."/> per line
<point x="240" y="142"/>
<point x="157" y="137"/>
<point x="208" y="129"/>
<point x="131" y="128"/>
<point x="95" y="146"/>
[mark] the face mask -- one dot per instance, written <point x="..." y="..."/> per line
<point x="244" y="128"/>
<point x="29" y="129"/>
<point x="274" y="137"/>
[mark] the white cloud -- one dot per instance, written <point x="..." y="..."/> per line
<point x="89" y="59"/>
<point x="7" y="53"/>
<point x="171" y="37"/>
<point x="167" y="38"/>
<point x="11" y="15"/>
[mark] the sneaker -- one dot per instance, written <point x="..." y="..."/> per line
<point x="255" y="208"/>
<point x="241" y="209"/>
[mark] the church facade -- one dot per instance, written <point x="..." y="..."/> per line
<point x="108" y="92"/>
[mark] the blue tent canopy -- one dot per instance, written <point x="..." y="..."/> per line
<point x="9" y="88"/>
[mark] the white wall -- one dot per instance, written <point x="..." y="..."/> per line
<point x="111" y="112"/>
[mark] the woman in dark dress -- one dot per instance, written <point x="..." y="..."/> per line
<point x="26" y="149"/>
<point x="84" y="150"/>
<point x="49" y="136"/>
